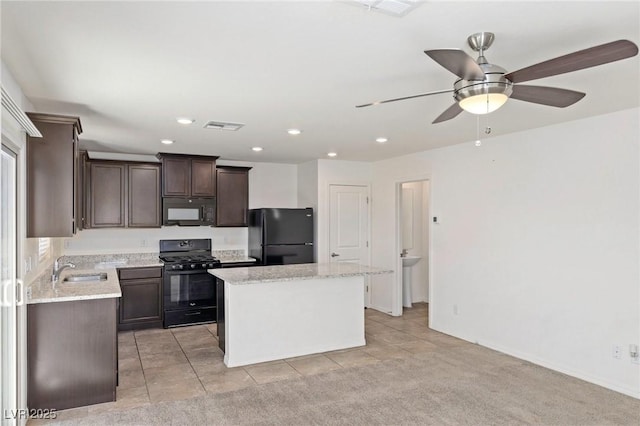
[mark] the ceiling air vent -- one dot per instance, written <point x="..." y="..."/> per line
<point x="389" y="7"/>
<point x="221" y="125"/>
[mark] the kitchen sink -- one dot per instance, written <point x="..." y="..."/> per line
<point x="75" y="278"/>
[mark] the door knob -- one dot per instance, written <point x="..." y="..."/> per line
<point x="334" y="255"/>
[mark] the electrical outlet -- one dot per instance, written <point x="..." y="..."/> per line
<point x="455" y="309"/>
<point x="67" y="244"/>
<point x="27" y="265"/>
<point x="616" y="351"/>
<point x="143" y="243"/>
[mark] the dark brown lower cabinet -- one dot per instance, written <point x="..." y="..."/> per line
<point x="141" y="302"/>
<point x="72" y="356"/>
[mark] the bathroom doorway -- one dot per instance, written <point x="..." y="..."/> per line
<point x="413" y="243"/>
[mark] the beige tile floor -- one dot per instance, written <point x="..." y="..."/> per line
<point x="164" y="365"/>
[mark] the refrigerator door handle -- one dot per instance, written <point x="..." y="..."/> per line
<point x="308" y="244"/>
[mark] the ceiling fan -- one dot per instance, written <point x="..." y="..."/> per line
<point x="483" y="87"/>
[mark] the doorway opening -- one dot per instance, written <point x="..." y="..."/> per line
<point x="413" y="205"/>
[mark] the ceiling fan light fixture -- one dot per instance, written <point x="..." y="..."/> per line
<point x="486" y="96"/>
<point x="483" y="104"/>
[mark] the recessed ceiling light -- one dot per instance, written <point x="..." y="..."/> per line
<point x="184" y="120"/>
<point x="332" y="154"/>
<point x="381" y="140"/>
<point x="166" y="141"/>
<point x="294" y="131"/>
<point x="257" y="148"/>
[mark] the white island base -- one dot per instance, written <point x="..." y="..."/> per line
<point x="284" y="319"/>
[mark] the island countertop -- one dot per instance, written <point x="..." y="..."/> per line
<point x="304" y="271"/>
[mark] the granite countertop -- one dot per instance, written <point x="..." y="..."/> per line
<point x="42" y="290"/>
<point x="305" y="271"/>
<point x="105" y="261"/>
<point x="232" y="256"/>
<point x="237" y="259"/>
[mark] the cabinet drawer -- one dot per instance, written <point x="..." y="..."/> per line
<point x="191" y="316"/>
<point x="136" y="273"/>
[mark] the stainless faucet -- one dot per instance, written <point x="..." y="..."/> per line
<point x="57" y="268"/>
<point x="404" y="253"/>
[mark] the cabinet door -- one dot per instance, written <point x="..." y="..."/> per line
<point x="232" y="196"/>
<point x="176" y="177"/>
<point x="144" y="196"/>
<point x="203" y="178"/>
<point x="141" y="301"/>
<point x="74" y="345"/>
<point x="50" y="176"/>
<point x="107" y="207"/>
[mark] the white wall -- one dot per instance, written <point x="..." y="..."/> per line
<point x="538" y="245"/>
<point x="270" y="185"/>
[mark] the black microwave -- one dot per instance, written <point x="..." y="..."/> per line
<point x="189" y="211"/>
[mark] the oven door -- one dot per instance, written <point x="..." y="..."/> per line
<point x="188" y="289"/>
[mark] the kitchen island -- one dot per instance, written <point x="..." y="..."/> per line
<point x="267" y="313"/>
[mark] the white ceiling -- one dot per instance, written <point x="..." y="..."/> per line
<point x="128" y="69"/>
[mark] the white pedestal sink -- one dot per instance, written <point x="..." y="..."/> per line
<point x="407" y="264"/>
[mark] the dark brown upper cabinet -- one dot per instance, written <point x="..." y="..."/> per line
<point x="123" y="195"/>
<point x="188" y="175"/>
<point x="232" y="195"/>
<point x="52" y="176"/>
<point x="145" y="210"/>
<point x="107" y="195"/>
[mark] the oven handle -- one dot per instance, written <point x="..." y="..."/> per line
<point x="193" y="313"/>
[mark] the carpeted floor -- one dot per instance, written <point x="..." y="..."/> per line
<point x="448" y="385"/>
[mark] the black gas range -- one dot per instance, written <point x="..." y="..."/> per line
<point x="190" y="262"/>
<point x="189" y="292"/>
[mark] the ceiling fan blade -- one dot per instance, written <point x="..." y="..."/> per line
<point x="591" y="57"/>
<point x="458" y="62"/>
<point x="406" y="97"/>
<point x="551" y="96"/>
<point x="448" y="114"/>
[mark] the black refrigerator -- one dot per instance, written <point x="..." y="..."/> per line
<point x="281" y="236"/>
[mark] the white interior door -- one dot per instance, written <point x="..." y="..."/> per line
<point x="8" y="279"/>
<point x="349" y="226"/>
